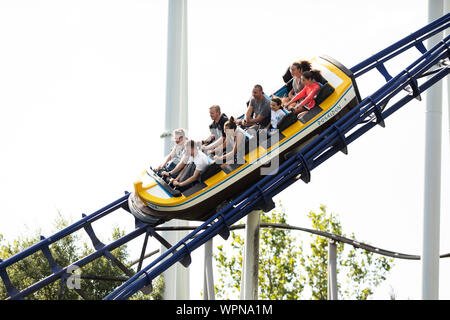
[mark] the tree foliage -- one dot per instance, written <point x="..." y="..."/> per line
<point x="359" y="271"/>
<point x="279" y="261"/>
<point x="286" y="268"/>
<point x="65" y="252"/>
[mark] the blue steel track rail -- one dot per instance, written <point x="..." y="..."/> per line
<point x="59" y="272"/>
<point x="370" y="112"/>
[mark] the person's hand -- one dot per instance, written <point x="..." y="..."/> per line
<point x="165" y="173"/>
<point x="210" y="151"/>
<point x="203" y="147"/>
<point x="159" y="168"/>
<point x="176" y="183"/>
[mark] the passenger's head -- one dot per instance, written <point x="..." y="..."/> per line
<point x="305" y="65"/>
<point x="257" y="92"/>
<point x="214" y="112"/>
<point x="298" y="67"/>
<point x="179" y="135"/>
<point x="310" y="76"/>
<point x="275" y="104"/>
<point x="295" y="69"/>
<point x="191" y="147"/>
<point x="230" y="126"/>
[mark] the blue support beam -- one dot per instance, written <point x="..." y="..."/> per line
<point x="80" y="263"/>
<point x="10" y="289"/>
<point x="120" y="203"/>
<point x="413" y="40"/>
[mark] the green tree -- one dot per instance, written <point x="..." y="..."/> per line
<point x="285" y="269"/>
<point x="279" y="261"/>
<point x="65" y="252"/>
<point x="362" y="270"/>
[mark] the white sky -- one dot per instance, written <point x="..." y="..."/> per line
<point x="82" y="97"/>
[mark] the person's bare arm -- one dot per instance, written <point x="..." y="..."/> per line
<point x="230" y="155"/>
<point x="291" y="94"/>
<point x="220" y="146"/>
<point x="179" y="167"/>
<point x="208" y="140"/>
<point x="249" y="113"/>
<point x="213" y="145"/>
<point x="253" y="121"/>
<point x="187" y="181"/>
<point x="165" y="162"/>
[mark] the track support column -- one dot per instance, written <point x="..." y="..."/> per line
<point x="432" y="185"/>
<point x="176" y="278"/>
<point x="447" y="32"/>
<point x="332" y="270"/>
<point x="250" y="266"/>
<point x="208" y="284"/>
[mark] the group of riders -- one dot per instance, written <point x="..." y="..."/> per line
<point x="189" y="158"/>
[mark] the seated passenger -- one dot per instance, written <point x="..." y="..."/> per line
<point x="235" y="137"/>
<point x="192" y="167"/>
<point x="307" y="94"/>
<point x="177" y="152"/>
<point x="297" y="68"/>
<point x="276" y="114"/>
<point x="258" y="111"/>
<point x="217" y="137"/>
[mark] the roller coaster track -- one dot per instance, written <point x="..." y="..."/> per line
<point x="433" y="65"/>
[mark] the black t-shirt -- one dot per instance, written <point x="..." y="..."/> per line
<point x="217" y="128"/>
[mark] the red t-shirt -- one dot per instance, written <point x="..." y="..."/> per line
<point x="308" y="92"/>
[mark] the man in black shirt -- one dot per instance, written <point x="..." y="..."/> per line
<point x="217" y="136"/>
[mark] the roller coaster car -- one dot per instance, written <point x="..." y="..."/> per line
<point x="154" y="200"/>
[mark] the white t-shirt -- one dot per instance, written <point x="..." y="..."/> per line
<point x="200" y="160"/>
<point x="276" y="116"/>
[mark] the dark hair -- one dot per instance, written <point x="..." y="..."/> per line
<point x="191" y="144"/>
<point x="312" y="74"/>
<point x="303" y="65"/>
<point x="259" y="87"/>
<point x="277" y="101"/>
<point x="230" y="124"/>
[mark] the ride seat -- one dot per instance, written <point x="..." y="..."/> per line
<point x="212" y="169"/>
<point x="325" y="91"/>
